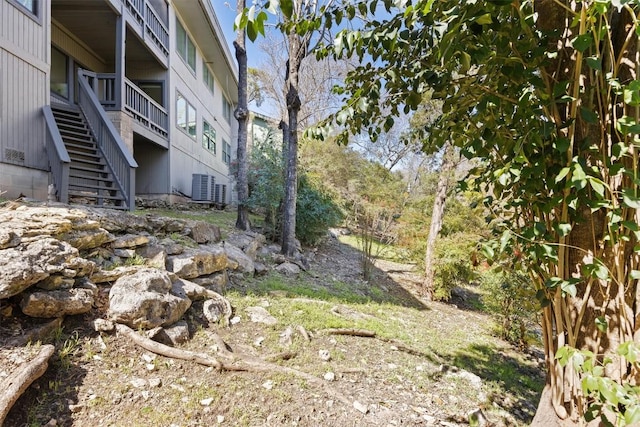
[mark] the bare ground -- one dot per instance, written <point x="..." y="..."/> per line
<point x="436" y="364"/>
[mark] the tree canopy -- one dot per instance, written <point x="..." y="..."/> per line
<point x="545" y="95"/>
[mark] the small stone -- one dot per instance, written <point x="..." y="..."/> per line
<point x="76" y="408"/>
<point x="103" y="325"/>
<point x="220" y="419"/>
<point x="324" y="355"/>
<point x="330" y="376"/>
<point x="138" y="382"/>
<point x="360" y="407"/>
<point x="150" y="366"/>
<point x="155" y="382"/>
<point x="149" y="357"/>
<point x="268" y="385"/>
<point x="145" y="394"/>
<point x="7" y="312"/>
<point x="258" y="341"/>
<point x="235" y="320"/>
<point x="206" y="402"/>
<point x="52" y="423"/>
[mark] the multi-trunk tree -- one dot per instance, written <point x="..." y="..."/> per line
<point x="545" y="94"/>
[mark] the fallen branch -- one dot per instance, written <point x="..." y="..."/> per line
<point x="174" y="353"/>
<point x="245" y="362"/>
<point x="303" y="332"/>
<point x="365" y="333"/>
<point x="353" y="332"/>
<point x="15" y="384"/>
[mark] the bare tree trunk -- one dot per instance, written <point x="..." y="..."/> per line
<point x="436" y="217"/>
<point x="296" y="53"/>
<point x="242" y="115"/>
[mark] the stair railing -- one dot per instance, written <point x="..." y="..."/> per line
<point x="118" y="158"/>
<point x="59" y="160"/>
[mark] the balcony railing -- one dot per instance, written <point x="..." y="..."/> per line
<point x="116" y="154"/>
<point x="153" y="26"/>
<point x="146" y="110"/>
<point x="143" y="108"/>
<point x="59" y="159"/>
<point x="156" y="29"/>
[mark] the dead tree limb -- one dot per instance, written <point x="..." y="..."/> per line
<point x="245" y="362"/>
<point x="353" y="332"/>
<point x="174" y="353"/>
<point x="15" y="384"/>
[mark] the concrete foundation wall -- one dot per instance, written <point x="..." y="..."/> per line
<point x="16" y="180"/>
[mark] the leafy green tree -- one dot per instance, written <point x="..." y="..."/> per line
<point x="545" y="94"/>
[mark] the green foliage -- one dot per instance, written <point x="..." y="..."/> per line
<point x="315" y="211"/>
<point x="605" y="397"/>
<point x="508" y="296"/>
<point x="453" y="264"/>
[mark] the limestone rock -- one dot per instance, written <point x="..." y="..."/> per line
<point x="203" y="232"/>
<point x="248" y="241"/>
<point x="288" y="269"/>
<point x="217" y="282"/>
<point x="261" y="315"/>
<point x="8" y="239"/>
<point x="55" y="282"/>
<point x="81" y="266"/>
<point x="260" y="269"/>
<point x="144" y="300"/>
<point x="238" y="260"/>
<point x="103" y="276"/>
<point x="124" y="253"/>
<point x="171" y="247"/>
<point x="129" y="241"/>
<point x="155" y="256"/>
<point x="198" y="263"/>
<point x="214" y="310"/>
<point x="87" y="239"/>
<point x="173" y="335"/>
<point x="28" y="264"/>
<point x="58" y="303"/>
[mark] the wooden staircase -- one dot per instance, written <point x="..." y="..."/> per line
<point x="91" y="181"/>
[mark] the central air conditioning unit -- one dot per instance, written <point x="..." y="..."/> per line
<point x="202" y="188"/>
<point x="221" y="194"/>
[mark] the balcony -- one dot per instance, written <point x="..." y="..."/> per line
<point x="141" y="106"/>
<point x="152" y="26"/>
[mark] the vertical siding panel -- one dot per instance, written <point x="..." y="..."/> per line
<point x="23" y="84"/>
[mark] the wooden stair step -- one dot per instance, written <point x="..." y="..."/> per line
<point x="87" y="140"/>
<point x="93" y="186"/>
<point x="94" y="195"/>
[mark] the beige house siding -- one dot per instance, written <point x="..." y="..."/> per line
<point x="73" y="47"/>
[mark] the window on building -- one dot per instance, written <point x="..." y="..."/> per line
<point x="207" y="76"/>
<point x="208" y="137"/>
<point x="185" y="116"/>
<point x="226" y="109"/>
<point x="226" y="152"/>
<point x="59" y="75"/>
<point x="185" y="46"/>
<point x="31" y="6"/>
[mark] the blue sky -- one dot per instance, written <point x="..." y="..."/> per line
<point x="226" y="13"/>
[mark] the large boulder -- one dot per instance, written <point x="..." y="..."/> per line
<point x="144" y="299"/>
<point x="238" y="260"/>
<point x="203" y="232"/>
<point x="30" y="263"/>
<point x="49" y="304"/>
<point x="191" y="264"/>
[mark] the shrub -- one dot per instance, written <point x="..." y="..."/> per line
<point x="509" y="296"/>
<point x="315" y="213"/>
<point x="453" y="264"/>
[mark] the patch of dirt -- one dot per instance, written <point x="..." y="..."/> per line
<point x="101" y="379"/>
